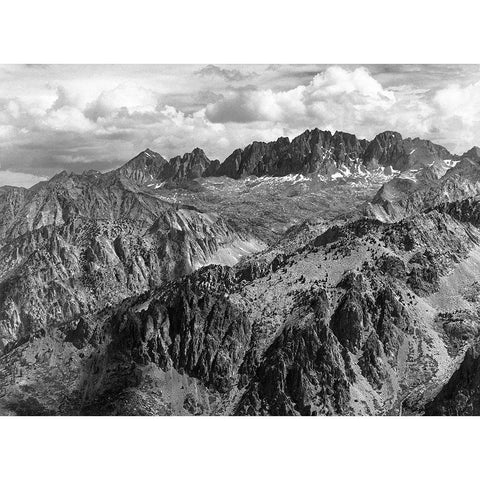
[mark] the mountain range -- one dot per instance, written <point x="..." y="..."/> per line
<point x="326" y="275"/>
<point x="314" y="151"/>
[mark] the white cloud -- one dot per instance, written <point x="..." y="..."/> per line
<point x="228" y="74"/>
<point x="462" y="102"/>
<point x="334" y="96"/>
<point x="6" y="132"/>
<point x="353" y="100"/>
<point x="100" y="116"/>
<point x="131" y="97"/>
<point x="67" y="119"/>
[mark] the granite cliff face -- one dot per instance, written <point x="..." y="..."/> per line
<point x="321" y="152"/>
<point x="196" y="288"/>
<point x="311" y="152"/>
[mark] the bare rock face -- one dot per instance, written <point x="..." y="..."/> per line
<point x="312" y="151"/>
<point x="350" y="320"/>
<point x="192" y="165"/>
<point x="319" y="151"/>
<point x="461" y="394"/>
<point x="11" y="202"/>
<point x="390" y="149"/>
<point x="189" y="326"/>
<point x="305" y="372"/>
<point x="343" y="346"/>
<point x="423" y="277"/>
<point x="61" y="273"/>
<point x="145" y="167"/>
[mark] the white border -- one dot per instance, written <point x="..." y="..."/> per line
<point x="251" y="31"/>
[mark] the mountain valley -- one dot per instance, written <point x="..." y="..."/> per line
<point x="326" y="275"/>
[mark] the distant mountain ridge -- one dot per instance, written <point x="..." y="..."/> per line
<point x="313" y="151"/>
<point x="149" y="166"/>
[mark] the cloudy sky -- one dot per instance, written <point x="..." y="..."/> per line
<point x="79" y="117"/>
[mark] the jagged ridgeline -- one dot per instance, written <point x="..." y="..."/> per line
<point x="324" y="275"/>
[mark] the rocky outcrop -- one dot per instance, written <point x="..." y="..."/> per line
<point x="192" y="165"/>
<point x="350" y="320"/>
<point x="312" y="151"/>
<point x="150" y="168"/>
<point x="389" y="149"/>
<point x="461" y="394"/>
<point x="423" y="277"/>
<point x="12" y="200"/>
<point x="305" y="372"/>
<point x="145" y="167"/>
<point x="190" y="326"/>
<point x="320" y="151"/>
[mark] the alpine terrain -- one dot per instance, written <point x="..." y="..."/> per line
<point x="323" y="275"/>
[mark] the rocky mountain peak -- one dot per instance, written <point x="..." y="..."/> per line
<point x="473" y="153"/>
<point x="146" y="166"/>
<point x="147" y="157"/>
<point x="189" y="166"/>
<point x="389" y="149"/>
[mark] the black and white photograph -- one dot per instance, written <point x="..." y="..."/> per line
<point x="240" y="240"/>
<point x="218" y="224"/>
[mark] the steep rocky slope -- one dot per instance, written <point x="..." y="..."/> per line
<point x="420" y="188"/>
<point x="145" y="167"/>
<point x="251" y="287"/>
<point x="358" y="331"/>
<point x="461" y="394"/>
<point x="76" y="243"/>
<point x="390" y="149"/>
<point x="352" y="322"/>
<point x="56" y="274"/>
<point x="89" y="195"/>
<point x="192" y="165"/>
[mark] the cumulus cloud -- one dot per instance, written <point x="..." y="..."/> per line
<point x="67" y="119"/>
<point x="353" y="100"/>
<point x="463" y="102"/>
<point x="457" y="115"/>
<point x="130" y="97"/>
<point x="228" y="74"/>
<point x="66" y="98"/>
<point x="336" y="94"/>
<point x="82" y="123"/>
